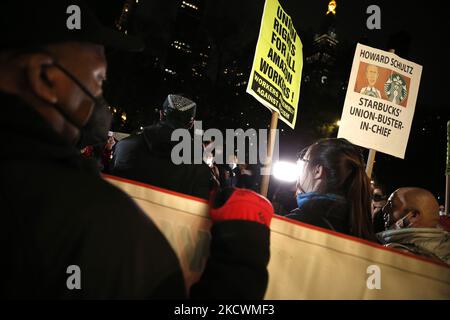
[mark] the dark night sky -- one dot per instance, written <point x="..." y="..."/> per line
<point x="426" y="23"/>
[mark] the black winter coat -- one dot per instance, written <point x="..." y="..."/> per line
<point x="146" y="157"/>
<point x="56" y="211"/>
<point x="329" y="213"/>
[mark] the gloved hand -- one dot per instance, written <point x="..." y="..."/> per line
<point x="240" y="204"/>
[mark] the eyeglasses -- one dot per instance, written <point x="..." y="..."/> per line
<point x="378" y="197"/>
<point x="301" y="156"/>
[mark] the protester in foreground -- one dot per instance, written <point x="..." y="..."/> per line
<point x="58" y="214"/>
<point x="333" y="190"/>
<point x="412" y="224"/>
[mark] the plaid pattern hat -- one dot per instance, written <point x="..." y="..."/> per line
<point x="179" y="103"/>
<point x="179" y="109"/>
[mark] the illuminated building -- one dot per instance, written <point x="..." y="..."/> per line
<point x="332" y="7"/>
<point x="322" y="58"/>
<point x="123" y="22"/>
<point x="201" y="62"/>
<point x="182" y="48"/>
<point x="235" y="76"/>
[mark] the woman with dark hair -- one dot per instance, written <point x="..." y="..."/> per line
<point x="333" y="190"/>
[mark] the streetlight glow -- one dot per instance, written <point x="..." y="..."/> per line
<point x="286" y="171"/>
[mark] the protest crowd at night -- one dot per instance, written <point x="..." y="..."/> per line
<point x="123" y="178"/>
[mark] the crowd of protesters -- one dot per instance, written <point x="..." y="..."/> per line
<point x="58" y="211"/>
<point x="333" y="191"/>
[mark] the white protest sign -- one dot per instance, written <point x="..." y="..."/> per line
<point x="380" y="101"/>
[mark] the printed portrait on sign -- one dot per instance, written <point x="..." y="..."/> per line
<point x="382" y="83"/>
<point x="371" y="78"/>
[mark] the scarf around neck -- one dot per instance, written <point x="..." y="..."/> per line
<point x="304" y="198"/>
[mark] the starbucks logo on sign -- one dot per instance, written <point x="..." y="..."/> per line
<point x="395" y="88"/>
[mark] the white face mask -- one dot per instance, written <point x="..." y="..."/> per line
<point x="403" y="223"/>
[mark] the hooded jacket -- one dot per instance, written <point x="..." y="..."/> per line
<point x="433" y="243"/>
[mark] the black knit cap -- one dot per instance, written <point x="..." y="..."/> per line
<point x="179" y="109"/>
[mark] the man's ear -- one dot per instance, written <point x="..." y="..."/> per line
<point x="41" y="77"/>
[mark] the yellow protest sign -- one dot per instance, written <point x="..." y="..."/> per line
<point x="277" y="66"/>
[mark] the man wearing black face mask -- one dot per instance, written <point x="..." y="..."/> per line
<point x="64" y="231"/>
<point x="96" y="129"/>
<point x="56" y="210"/>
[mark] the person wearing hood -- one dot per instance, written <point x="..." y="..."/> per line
<point x="147" y="156"/>
<point x="412" y="224"/>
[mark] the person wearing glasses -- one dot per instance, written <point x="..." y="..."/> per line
<point x="333" y="190"/>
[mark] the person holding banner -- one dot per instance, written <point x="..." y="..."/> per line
<point x="333" y="190"/>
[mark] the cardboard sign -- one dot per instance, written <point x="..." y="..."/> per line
<point x="380" y="101"/>
<point x="277" y="66"/>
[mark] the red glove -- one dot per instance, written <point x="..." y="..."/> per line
<point x="241" y="204"/>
